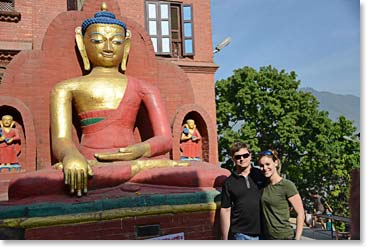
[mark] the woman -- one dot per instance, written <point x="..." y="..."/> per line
<point x="277" y="197"/>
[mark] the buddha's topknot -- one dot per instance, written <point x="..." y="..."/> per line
<point x="102" y="17"/>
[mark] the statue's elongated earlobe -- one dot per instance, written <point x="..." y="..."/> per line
<point x="81" y="47"/>
<point x="127" y="45"/>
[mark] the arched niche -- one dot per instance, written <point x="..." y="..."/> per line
<point x="205" y="126"/>
<point x="24" y="124"/>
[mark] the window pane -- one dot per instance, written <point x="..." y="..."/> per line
<point x="154" y="41"/>
<point x="187" y="13"/>
<point x="164" y="11"/>
<point x="152" y="11"/>
<point x="187" y="29"/>
<point x="174" y="35"/>
<point x="188" y="46"/>
<point x="165" y="45"/>
<point x="164" y="26"/>
<point x="174" y="18"/>
<point x="152" y="27"/>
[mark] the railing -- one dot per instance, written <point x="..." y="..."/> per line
<point x="334" y="218"/>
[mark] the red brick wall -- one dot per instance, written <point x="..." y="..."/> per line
<point x="35" y="18"/>
<point x="43" y="13"/>
<point x="204" y="91"/>
<point x="22" y="30"/>
<point x="196" y="226"/>
<point x="32" y="74"/>
<point x="134" y="10"/>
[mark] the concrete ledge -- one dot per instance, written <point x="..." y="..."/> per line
<point x="71" y="212"/>
<point x="16" y="45"/>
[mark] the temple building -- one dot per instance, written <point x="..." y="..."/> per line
<point x="180" y="34"/>
<point x="155" y="194"/>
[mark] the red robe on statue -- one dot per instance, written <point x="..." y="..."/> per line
<point x="190" y="148"/>
<point x="113" y="129"/>
<point x="8" y="152"/>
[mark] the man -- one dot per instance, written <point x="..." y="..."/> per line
<point x="240" y="207"/>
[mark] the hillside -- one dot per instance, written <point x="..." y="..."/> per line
<point x="338" y="104"/>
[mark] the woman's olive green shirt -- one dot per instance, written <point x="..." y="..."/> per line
<point x="275" y="208"/>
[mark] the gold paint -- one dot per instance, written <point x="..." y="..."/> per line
<point x="127" y="50"/>
<point x="81" y="47"/>
<point x="104" y="46"/>
<point x="38" y="222"/>
<point x="139" y="165"/>
<point x="104" y="6"/>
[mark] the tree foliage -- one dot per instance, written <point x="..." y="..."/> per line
<point x="266" y="109"/>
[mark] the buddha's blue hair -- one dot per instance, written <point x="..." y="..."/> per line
<point x="102" y="17"/>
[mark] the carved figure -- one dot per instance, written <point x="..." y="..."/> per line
<point x="9" y="149"/>
<point x="190" y="141"/>
<point x="107" y="103"/>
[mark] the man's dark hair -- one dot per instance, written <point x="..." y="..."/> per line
<point x="237" y="146"/>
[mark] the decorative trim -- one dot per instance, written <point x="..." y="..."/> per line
<point x="197" y="67"/>
<point x="6" y="56"/>
<point x="5" y="59"/>
<point x="10" y="16"/>
<point x="121" y="213"/>
<point x="96" y="205"/>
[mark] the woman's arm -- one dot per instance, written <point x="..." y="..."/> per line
<point x="296" y="203"/>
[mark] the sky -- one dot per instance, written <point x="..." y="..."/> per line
<point x="318" y="39"/>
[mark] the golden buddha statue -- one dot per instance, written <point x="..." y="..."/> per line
<point x="107" y="103"/>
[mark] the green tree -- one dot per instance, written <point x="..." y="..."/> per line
<point x="266" y="109"/>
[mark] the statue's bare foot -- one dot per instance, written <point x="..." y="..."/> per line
<point x="180" y="163"/>
<point x="58" y="166"/>
<point x="130" y="187"/>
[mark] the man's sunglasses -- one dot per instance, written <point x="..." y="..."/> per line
<point x="245" y="156"/>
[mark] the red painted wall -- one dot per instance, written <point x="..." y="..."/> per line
<point x="32" y="73"/>
<point x="196" y="226"/>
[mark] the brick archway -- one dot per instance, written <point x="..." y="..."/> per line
<point x="206" y="127"/>
<point x="28" y="159"/>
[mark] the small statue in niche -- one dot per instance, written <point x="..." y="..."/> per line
<point x="190" y="146"/>
<point x="9" y="141"/>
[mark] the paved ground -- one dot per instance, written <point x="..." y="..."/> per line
<point x="314" y="233"/>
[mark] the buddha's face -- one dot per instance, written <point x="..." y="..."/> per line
<point x="104" y="44"/>
<point x="7" y="120"/>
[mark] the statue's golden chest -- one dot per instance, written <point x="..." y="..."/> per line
<point x="99" y="95"/>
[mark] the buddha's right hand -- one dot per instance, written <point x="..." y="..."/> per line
<point x="76" y="170"/>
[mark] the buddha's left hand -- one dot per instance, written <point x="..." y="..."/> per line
<point x="131" y="152"/>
